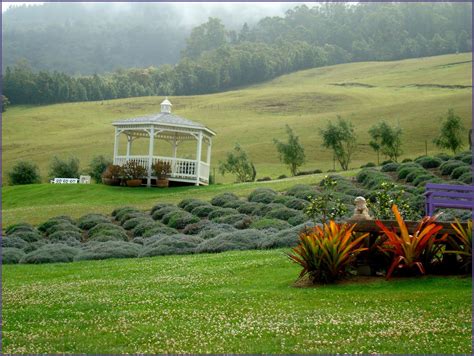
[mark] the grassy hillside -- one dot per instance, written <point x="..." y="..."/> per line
<point x="414" y="92"/>
<point x="234" y="302"/>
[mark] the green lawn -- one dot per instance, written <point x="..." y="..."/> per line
<point x="37" y="202"/>
<point x="236" y="302"/>
<point x="255" y="115"/>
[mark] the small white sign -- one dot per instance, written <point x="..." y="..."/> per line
<point x="65" y="180"/>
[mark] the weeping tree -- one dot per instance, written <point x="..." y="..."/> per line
<point x="238" y="163"/>
<point x="341" y="138"/>
<point x="291" y="152"/>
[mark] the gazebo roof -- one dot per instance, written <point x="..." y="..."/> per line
<point x="164" y="119"/>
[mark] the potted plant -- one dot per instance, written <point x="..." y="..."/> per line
<point x="111" y="175"/>
<point x="162" y="171"/>
<point x="132" y="173"/>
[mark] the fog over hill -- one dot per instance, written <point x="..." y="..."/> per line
<point x="86" y="38"/>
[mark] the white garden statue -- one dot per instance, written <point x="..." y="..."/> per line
<point x="361" y="212"/>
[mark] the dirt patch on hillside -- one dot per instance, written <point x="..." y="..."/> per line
<point x="438" y="86"/>
<point x="359" y="85"/>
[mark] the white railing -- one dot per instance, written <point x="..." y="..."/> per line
<point x="180" y="167"/>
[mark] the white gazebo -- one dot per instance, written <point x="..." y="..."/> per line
<point x="174" y="130"/>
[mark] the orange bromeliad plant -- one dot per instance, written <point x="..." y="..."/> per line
<point x="411" y="250"/>
<point x="327" y="252"/>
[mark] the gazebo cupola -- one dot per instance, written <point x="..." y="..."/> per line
<point x="166" y="106"/>
<point x="174" y="130"/>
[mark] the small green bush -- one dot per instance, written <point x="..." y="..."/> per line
<point x="221" y="212"/>
<point x="64" y="168"/>
<point x="466" y="178"/>
<point x="267" y="223"/>
<point x="65" y="226"/>
<point x="171" y="245"/>
<point x="24" y="172"/>
<point x="402" y="173"/>
<point x="54" y="221"/>
<point x="282" y="213"/>
<point x="159" y="206"/>
<point x="28" y="236"/>
<point x="443" y="156"/>
<point x="12" y="255"/>
<point x="234" y="204"/>
<point x="190" y="207"/>
<point x="166" y="230"/>
<point x="297" y="204"/>
<point x="98" y="166"/>
<point x="405" y="160"/>
<point x="70" y="238"/>
<point x="203" y="211"/>
<point x="390" y="167"/>
<point x="87" y="222"/>
<point x="429" y="162"/>
<point x="213" y="229"/>
<point x="140" y="229"/>
<point x="368" y="165"/>
<point x="262" y="195"/>
<point x="284" y="238"/>
<point x="179" y="219"/>
<point x="298" y="219"/>
<point x="107" y="231"/>
<point x="51" y="253"/>
<point x="230" y="219"/>
<point x="236" y="240"/>
<point x="249" y="208"/>
<point x="414" y="174"/>
<point x="459" y="171"/>
<point x="266" y="208"/>
<point x="183" y="203"/>
<point x="449" y="166"/>
<point x="116" y="213"/>
<point x="423" y="178"/>
<point x="133" y="222"/>
<point x="467" y="159"/>
<point x="14" y="241"/>
<point x="282" y="199"/>
<point x="160" y="213"/>
<point x="108" y="249"/>
<point x="222" y="199"/>
<point x="196" y="228"/>
<point x="19" y="227"/>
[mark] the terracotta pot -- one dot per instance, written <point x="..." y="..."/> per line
<point x="162" y="183"/>
<point x="134" y="182"/>
<point x="111" y="181"/>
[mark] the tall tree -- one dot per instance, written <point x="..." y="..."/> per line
<point x="451" y="133"/>
<point x="208" y="36"/>
<point x="387" y="139"/>
<point x="341" y="138"/>
<point x="291" y="152"/>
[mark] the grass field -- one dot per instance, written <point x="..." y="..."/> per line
<point x="37" y="202"/>
<point x="413" y="92"/>
<point x="238" y="302"/>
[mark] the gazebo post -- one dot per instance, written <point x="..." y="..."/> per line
<point x="150" y="154"/>
<point x="116" y="144"/>
<point x="209" y="147"/>
<point x="198" y="157"/>
<point x="175" y="153"/>
<point x="129" y="145"/>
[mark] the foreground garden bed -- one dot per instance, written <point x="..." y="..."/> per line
<point x="237" y="302"/>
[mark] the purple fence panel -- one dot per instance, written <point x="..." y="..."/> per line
<point x="448" y="196"/>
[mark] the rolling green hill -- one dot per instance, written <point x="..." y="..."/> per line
<point x="414" y="92"/>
